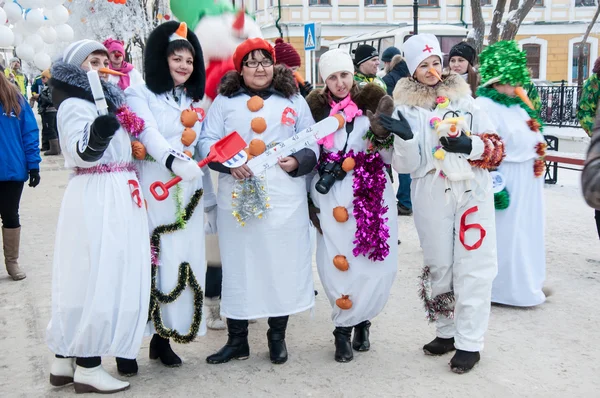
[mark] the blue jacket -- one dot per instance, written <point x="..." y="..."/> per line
<point x="19" y="144"/>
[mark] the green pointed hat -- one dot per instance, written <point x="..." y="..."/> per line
<point x="503" y="62"/>
<point x="191" y="11"/>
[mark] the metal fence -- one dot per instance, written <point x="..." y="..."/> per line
<point x="559" y="104"/>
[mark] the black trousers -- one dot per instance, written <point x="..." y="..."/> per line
<point x="49" y="130"/>
<point x="214" y="279"/>
<point x="598" y="222"/>
<point x="10" y="197"/>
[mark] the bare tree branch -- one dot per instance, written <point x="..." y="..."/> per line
<point x="497" y="21"/>
<point x="515" y="18"/>
<point x="476" y="37"/>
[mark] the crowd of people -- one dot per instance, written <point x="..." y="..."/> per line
<point x="465" y="140"/>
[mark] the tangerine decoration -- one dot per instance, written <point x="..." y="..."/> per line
<point x="138" y="150"/>
<point x="188" y="153"/>
<point x="340" y="214"/>
<point x="344" y="302"/>
<point x="348" y="164"/>
<point x="189" y="118"/>
<point x="258" y="125"/>
<point x="257" y="147"/>
<point x="341" y="262"/>
<point x="255" y="103"/>
<point x="188" y="136"/>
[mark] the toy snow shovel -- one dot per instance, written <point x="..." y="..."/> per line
<point x="228" y="150"/>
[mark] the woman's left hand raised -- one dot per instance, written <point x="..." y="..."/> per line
<point x="288" y="164"/>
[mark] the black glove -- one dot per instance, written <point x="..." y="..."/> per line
<point x="101" y="132"/>
<point x="34" y="177"/>
<point x="399" y="126"/>
<point x="460" y="144"/>
<point x="305" y="88"/>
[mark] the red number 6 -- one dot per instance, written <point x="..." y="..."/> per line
<point x="464" y="227"/>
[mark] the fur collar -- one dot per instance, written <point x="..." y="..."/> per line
<point x="410" y="92"/>
<point x="71" y="81"/>
<point x="283" y="84"/>
<point x="366" y="98"/>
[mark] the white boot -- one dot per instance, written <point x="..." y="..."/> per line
<point x="61" y="371"/>
<point x="212" y="311"/>
<point x="97" y="380"/>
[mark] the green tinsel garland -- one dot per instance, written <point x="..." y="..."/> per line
<point x="185" y="276"/>
<point x="501" y="200"/>
<point x="377" y="143"/>
<point x="505" y="100"/>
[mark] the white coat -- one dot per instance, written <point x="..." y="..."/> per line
<point x="520" y="227"/>
<point x="162" y="131"/>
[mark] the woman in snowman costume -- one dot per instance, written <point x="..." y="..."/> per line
<point x="357" y="252"/>
<point x="168" y="106"/>
<point x="454" y="220"/>
<point x="520" y="222"/>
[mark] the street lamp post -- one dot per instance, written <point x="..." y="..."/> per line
<point x="416" y="17"/>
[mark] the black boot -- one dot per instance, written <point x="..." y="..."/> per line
<point x="160" y="348"/>
<point x="343" y="348"/>
<point x="439" y="346"/>
<point x="463" y="361"/>
<point x="237" y="344"/>
<point x="127" y="367"/>
<point x="360" y="341"/>
<point x="276" y="337"/>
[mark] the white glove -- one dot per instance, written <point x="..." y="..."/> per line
<point x="187" y="170"/>
<point x="210" y="223"/>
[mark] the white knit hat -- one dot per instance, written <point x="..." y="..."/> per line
<point x="335" y="60"/>
<point x="77" y="52"/>
<point x="420" y="47"/>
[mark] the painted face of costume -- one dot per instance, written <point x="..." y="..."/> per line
<point x="257" y="71"/>
<point x="423" y="74"/>
<point x="340" y="83"/>
<point x="181" y="66"/>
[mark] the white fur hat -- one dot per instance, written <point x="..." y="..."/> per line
<point x="335" y="60"/>
<point x="420" y="47"/>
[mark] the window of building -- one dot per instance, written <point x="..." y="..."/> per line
<point x="533" y="52"/>
<point x="585" y="3"/>
<point x="486" y="2"/>
<point x="271" y="3"/>
<point x="374" y="2"/>
<point x="429" y="3"/>
<point x="539" y="3"/>
<point x="577" y="47"/>
<point x="319" y="2"/>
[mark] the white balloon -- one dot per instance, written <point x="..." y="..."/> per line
<point x="25" y="52"/>
<point x="18" y="39"/>
<point x="60" y="15"/>
<point x="35" y="17"/>
<point x="6" y="36"/>
<point x="48" y="14"/>
<point x="53" y="3"/>
<point x="30" y="28"/>
<point x="35" y="41"/>
<point x="2" y="17"/>
<point x="42" y="61"/>
<point x="20" y="27"/>
<point x="26" y="3"/>
<point x="64" y="32"/>
<point x="13" y="11"/>
<point x="36" y="3"/>
<point x="48" y="34"/>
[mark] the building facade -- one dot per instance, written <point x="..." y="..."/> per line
<point x="551" y="34"/>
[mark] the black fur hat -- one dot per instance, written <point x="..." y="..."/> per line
<point x="156" y="66"/>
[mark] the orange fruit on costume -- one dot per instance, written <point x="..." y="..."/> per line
<point x="258" y="125"/>
<point x="188" y="136"/>
<point x="255" y="103"/>
<point x="348" y="164"/>
<point x="341" y="263"/>
<point x="257" y="147"/>
<point x="189" y="118"/>
<point x="138" y="150"/>
<point x="340" y="214"/>
<point x="344" y="302"/>
<point x="188" y="153"/>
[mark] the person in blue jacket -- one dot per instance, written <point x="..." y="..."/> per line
<point x="20" y="159"/>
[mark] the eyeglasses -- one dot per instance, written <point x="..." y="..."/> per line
<point x="254" y="64"/>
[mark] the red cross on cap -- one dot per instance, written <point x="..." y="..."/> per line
<point x="427" y="48"/>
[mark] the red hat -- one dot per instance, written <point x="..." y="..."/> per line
<point x="247" y="47"/>
<point x="286" y="54"/>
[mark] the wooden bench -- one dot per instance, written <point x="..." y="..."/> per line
<point x="553" y="158"/>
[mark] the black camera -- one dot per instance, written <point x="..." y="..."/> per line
<point x="330" y="173"/>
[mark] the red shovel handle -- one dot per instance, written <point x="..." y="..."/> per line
<point x="164" y="188"/>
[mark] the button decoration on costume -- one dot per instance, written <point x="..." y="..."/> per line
<point x="348" y="164"/>
<point x="340" y="214"/>
<point x="442" y="102"/>
<point x="189" y="118"/>
<point x="498" y="181"/>
<point x="138" y="150"/>
<point x="433" y="123"/>
<point x="255" y="103"/>
<point x="341" y="262"/>
<point x="257" y="147"/>
<point x="188" y="136"/>
<point x="344" y="302"/>
<point x="258" y="125"/>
